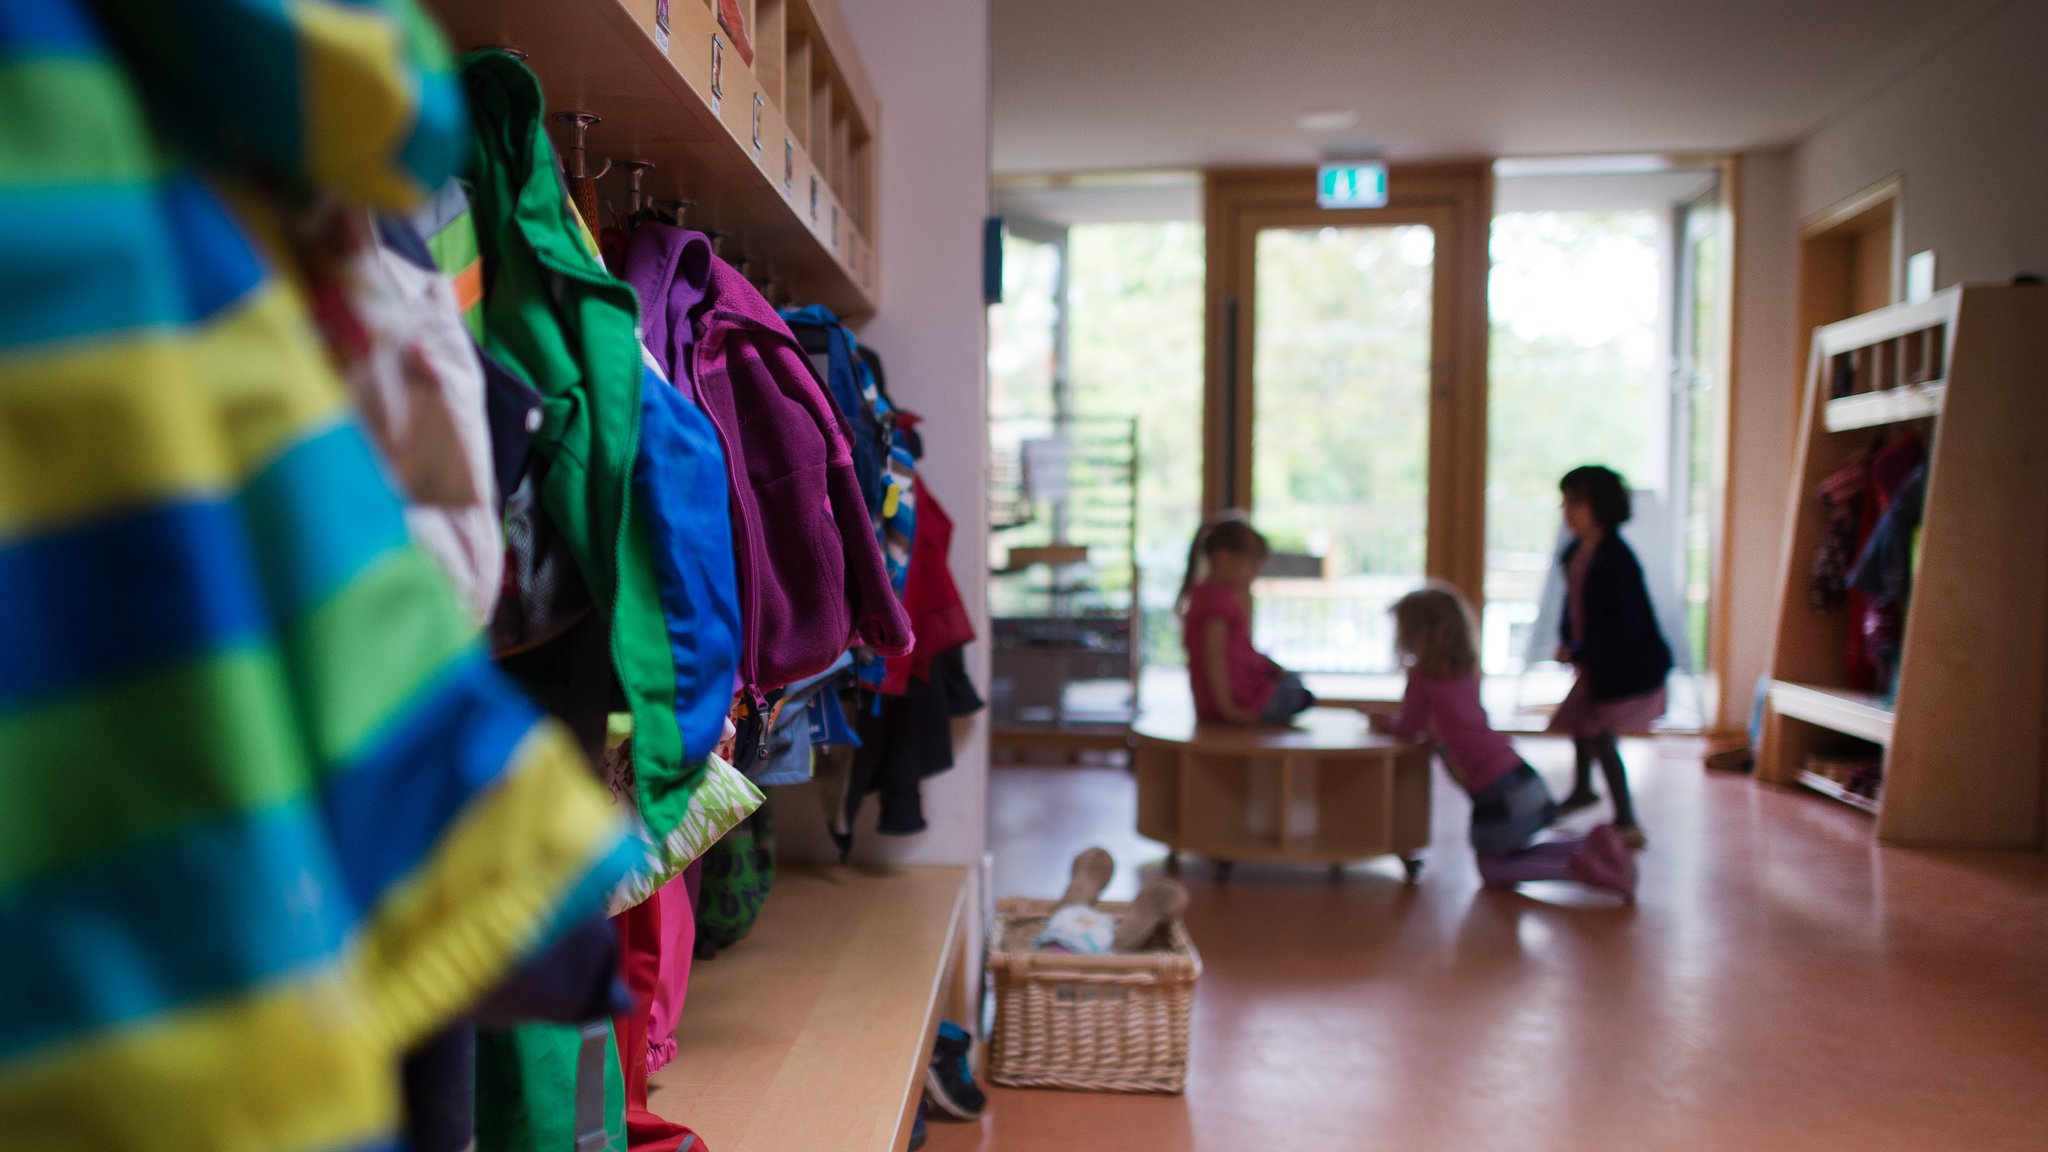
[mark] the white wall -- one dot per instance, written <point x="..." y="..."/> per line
<point x="1968" y="129"/>
<point x="1765" y="373"/>
<point x="929" y="63"/>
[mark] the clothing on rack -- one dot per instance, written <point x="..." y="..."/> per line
<point x="1859" y="496"/>
<point x="938" y="614"/>
<point x="1884" y="569"/>
<point x="811" y="575"/>
<point x="554" y="315"/>
<point x="1841" y="496"/>
<point x="536" y="1082"/>
<point x="390" y="318"/>
<point x="319" y="824"/>
<point x="738" y="872"/>
<point x="647" y="941"/>
<point x="909" y="739"/>
<point x="678" y="900"/>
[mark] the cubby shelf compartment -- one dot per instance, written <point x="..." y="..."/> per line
<point x="1834" y="791"/>
<point x="802" y="214"/>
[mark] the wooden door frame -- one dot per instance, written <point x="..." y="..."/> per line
<point x="1826" y="258"/>
<point x="1456" y="200"/>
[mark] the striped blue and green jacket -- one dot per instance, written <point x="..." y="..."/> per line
<point x="267" y="815"/>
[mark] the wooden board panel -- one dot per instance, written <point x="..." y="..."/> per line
<point x="815" y="1030"/>
<point x="1339" y="732"/>
<point x="1857" y="714"/>
<point x="1891" y="406"/>
<point x="1967" y="764"/>
<point x="602" y="56"/>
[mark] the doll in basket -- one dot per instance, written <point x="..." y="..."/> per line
<point x="1077" y="926"/>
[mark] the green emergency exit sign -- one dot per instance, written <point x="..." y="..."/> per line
<point x="1355" y="185"/>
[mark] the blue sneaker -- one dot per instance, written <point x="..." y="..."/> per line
<point x="948" y="1082"/>
<point x="917" y="1129"/>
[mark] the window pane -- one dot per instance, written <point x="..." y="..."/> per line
<point x="1574" y="380"/>
<point x="1341" y="441"/>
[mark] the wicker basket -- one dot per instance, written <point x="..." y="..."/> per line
<point x="1116" y="1023"/>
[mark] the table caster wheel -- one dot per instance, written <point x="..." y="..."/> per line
<point x="1173" y="863"/>
<point x="1411" y="867"/>
<point x="1219" y="871"/>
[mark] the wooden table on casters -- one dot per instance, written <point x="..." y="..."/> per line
<point x="1325" y="791"/>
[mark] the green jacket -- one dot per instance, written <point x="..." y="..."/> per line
<point x="554" y="313"/>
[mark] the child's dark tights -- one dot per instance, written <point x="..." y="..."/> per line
<point x="1606" y="751"/>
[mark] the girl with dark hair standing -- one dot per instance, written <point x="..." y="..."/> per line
<point x="1610" y="637"/>
<point x="1233" y="682"/>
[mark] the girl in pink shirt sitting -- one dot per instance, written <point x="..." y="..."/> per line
<point x="1437" y="639"/>
<point x="1233" y="683"/>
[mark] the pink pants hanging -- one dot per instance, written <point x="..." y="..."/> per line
<point x="677" y="901"/>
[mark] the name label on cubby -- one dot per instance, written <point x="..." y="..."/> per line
<point x="757" y="125"/>
<point x="717" y="74"/>
<point x="661" y="25"/>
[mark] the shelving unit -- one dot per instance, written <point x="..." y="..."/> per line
<point x="1963" y="744"/>
<point x="778" y="156"/>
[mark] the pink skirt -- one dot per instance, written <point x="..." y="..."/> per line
<point x="1582" y="716"/>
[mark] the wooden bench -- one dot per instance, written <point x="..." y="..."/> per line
<point x="814" y="1032"/>
<point x="1325" y="791"/>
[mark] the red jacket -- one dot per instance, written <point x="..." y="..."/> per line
<point x="938" y="617"/>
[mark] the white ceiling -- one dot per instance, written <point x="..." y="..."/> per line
<point x="1085" y="85"/>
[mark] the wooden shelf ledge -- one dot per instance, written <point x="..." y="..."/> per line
<point x="1834" y="791"/>
<point x="1891" y="406"/>
<point x="1859" y="714"/>
<point x="814" y="1032"/>
<point x="605" y="57"/>
<point x="1890" y="323"/>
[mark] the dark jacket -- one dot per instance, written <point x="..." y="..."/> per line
<point x="1623" y="653"/>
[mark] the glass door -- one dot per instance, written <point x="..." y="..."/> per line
<point x="1342" y="332"/>
<point x="1347" y="404"/>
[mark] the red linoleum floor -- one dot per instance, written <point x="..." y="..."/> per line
<point x="1783" y="983"/>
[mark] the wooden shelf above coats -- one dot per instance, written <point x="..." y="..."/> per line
<point x="795" y="200"/>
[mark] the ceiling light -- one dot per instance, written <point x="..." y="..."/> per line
<point x="1327" y="119"/>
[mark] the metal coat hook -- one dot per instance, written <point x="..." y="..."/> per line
<point x="677" y="209"/>
<point x="636" y="171"/>
<point x="576" y="160"/>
